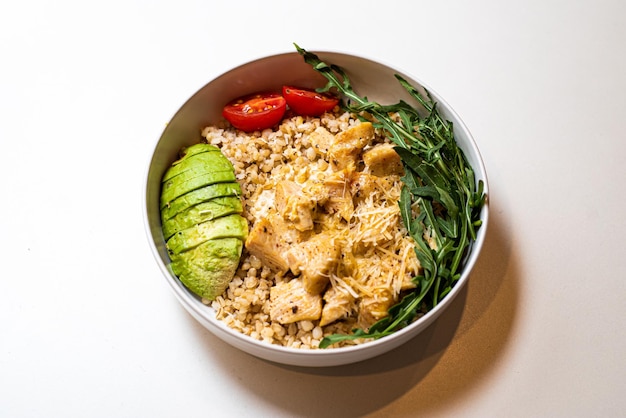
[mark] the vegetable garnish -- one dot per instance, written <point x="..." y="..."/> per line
<point x="440" y="202"/>
<point x="256" y="112"/>
<point x="306" y="102"/>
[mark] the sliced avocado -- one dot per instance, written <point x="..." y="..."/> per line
<point x="207" y="161"/>
<point x="198" y="170"/>
<point x="193" y="150"/>
<point x="182" y="184"/>
<point x="230" y="226"/>
<point x="208" y="268"/>
<point x="202" y="212"/>
<point x="201" y="216"/>
<point x="198" y="196"/>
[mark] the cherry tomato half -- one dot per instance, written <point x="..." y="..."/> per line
<point x="255" y="112"/>
<point x="307" y="102"/>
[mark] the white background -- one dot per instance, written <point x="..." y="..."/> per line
<point x="88" y="325"/>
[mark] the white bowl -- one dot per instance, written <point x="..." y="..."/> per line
<point x="369" y="78"/>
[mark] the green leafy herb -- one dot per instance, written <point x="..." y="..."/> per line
<point x="438" y="179"/>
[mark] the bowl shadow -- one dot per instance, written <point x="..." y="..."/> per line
<point x="438" y="368"/>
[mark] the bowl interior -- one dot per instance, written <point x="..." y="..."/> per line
<point x="369" y="78"/>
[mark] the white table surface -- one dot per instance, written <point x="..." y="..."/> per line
<point x="88" y="325"/>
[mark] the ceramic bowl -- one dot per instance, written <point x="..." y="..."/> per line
<point x="369" y="78"/>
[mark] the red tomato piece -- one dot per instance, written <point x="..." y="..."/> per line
<point x="308" y="102"/>
<point x="255" y="112"/>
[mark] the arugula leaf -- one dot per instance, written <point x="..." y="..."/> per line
<point x="405" y="208"/>
<point x="438" y="180"/>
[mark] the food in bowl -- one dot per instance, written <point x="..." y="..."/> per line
<point x="334" y="198"/>
<point x="327" y="251"/>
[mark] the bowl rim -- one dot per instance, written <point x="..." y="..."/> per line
<point x="347" y="354"/>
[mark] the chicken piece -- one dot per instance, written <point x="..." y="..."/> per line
<point x="347" y="146"/>
<point x="294" y="206"/>
<point x="315" y="259"/>
<point x="320" y="140"/>
<point x="290" y="302"/>
<point x="264" y="243"/>
<point x="316" y="191"/>
<point x="348" y="266"/>
<point x="374" y="306"/>
<point x="382" y="160"/>
<point x="364" y="185"/>
<point x="270" y="238"/>
<point x="339" y="197"/>
<point x="339" y="304"/>
<point x="286" y="232"/>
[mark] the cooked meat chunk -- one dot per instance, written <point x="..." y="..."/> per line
<point x="347" y="145"/>
<point x="266" y="244"/>
<point x="339" y="198"/>
<point x="339" y="304"/>
<point x="285" y="230"/>
<point x="315" y="259"/>
<point x="365" y="186"/>
<point x="290" y="302"/>
<point x="294" y="206"/>
<point x="382" y="160"/>
<point x="374" y="307"/>
<point x="348" y="267"/>
<point x="270" y="237"/>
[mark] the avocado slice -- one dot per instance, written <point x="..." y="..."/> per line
<point x="198" y="196"/>
<point x="230" y="226"/>
<point x="207" y="269"/>
<point x="198" y="169"/>
<point x="202" y="212"/>
<point x="193" y="150"/>
<point x="183" y="183"/>
<point x="212" y="160"/>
